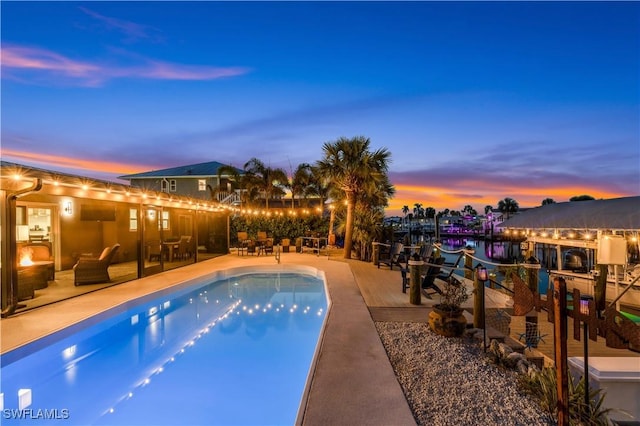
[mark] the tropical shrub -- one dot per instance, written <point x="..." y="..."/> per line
<point x="278" y="227"/>
<point x="542" y="385"/>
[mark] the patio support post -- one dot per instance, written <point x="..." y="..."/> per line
<point x="376" y="253"/>
<point x="531" y="318"/>
<point x="9" y="205"/>
<point x="9" y="258"/>
<point x="560" y="345"/>
<point x="141" y="245"/>
<point x="415" y="266"/>
<point x="600" y="289"/>
<point x="478" y="310"/>
<point x="480" y="275"/>
<point x="468" y="263"/>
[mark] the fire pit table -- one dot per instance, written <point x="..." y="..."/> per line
<point x="35" y="275"/>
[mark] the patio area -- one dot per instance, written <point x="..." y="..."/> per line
<point x="62" y="286"/>
<point x="353" y="380"/>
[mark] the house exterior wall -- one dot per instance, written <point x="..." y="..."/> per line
<point x="185" y="186"/>
<point x="78" y="236"/>
<point x="86" y="216"/>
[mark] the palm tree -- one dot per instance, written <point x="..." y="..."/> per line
<point x="488" y="209"/>
<point x="582" y="198"/>
<point x="405" y="211"/>
<point x="418" y="211"/>
<point x="417" y="214"/>
<point x="236" y="179"/>
<point x="268" y="180"/>
<point x="369" y="215"/>
<point x="508" y="206"/>
<point x="429" y="212"/>
<point x="318" y="186"/>
<point x="469" y="210"/>
<point x="354" y="170"/>
<point x="548" y="201"/>
<point x="300" y="182"/>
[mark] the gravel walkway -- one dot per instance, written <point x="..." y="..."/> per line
<point x="460" y="388"/>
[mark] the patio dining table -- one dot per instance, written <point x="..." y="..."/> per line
<point x="169" y="247"/>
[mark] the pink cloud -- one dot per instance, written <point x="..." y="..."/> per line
<point x="40" y="59"/>
<point x="132" y="30"/>
<point x="40" y="65"/>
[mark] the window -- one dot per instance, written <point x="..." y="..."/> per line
<point x="168" y="185"/>
<point x="165" y="221"/>
<point x="202" y="185"/>
<point x="133" y="219"/>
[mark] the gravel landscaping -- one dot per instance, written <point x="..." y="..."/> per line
<point x="450" y="381"/>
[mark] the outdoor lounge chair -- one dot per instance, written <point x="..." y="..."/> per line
<point x="250" y="246"/>
<point x="392" y="257"/>
<point x="183" y="251"/>
<point x="243" y="242"/>
<point x="425" y="252"/>
<point x="153" y="250"/>
<point x="445" y="276"/>
<point x="429" y="285"/>
<point x="428" y="279"/>
<point x="94" y="270"/>
<point x="268" y="246"/>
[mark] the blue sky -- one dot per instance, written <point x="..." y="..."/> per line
<point x="475" y="101"/>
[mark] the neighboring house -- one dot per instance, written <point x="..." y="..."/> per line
<point x="194" y="180"/>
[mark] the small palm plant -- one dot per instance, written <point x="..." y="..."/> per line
<point x="454" y="294"/>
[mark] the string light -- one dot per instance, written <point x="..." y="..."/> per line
<point x="190" y="343"/>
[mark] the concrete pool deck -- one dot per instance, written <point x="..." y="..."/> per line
<point x="353" y="381"/>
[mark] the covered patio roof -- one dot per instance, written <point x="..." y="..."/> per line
<point x="611" y="214"/>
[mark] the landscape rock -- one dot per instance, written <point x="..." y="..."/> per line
<point x="449" y="381"/>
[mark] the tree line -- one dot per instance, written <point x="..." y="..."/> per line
<point x="350" y="173"/>
<point x="507" y="206"/>
<point x="354" y="177"/>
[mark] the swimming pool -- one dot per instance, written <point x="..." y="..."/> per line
<point x="234" y="351"/>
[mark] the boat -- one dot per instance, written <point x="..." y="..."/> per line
<point x="585" y="242"/>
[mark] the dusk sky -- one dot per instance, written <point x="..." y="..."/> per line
<point x="475" y="101"/>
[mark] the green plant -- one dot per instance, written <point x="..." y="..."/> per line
<point x="454" y="294"/>
<point x="278" y="227"/>
<point x="582" y="414"/>
<point x="542" y="385"/>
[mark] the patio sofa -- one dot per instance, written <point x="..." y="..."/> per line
<point x="95" y="270"/>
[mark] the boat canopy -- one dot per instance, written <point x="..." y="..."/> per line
<point x="612" y="214"/>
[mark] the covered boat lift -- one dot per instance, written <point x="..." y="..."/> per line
<point x="607" y="231"/>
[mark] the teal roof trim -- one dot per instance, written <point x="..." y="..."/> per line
<point x="615" y="213"/>
<point x="201" y="169"/>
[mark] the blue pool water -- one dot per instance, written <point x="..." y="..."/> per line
<point x="232" y="352"/>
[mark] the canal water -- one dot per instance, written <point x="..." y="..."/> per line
<point x="491" y="254"/>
